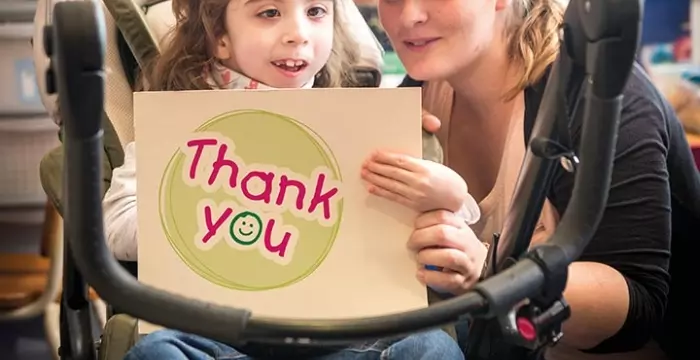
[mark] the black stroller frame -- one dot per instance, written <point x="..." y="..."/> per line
<point x="599" y="40"/>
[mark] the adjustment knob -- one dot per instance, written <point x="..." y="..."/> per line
<point x="48" y="40"/>
<point x="526" y="328"/>
<point x="50" y="80"/>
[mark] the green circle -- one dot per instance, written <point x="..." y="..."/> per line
<point x="258" y="137"/>
<point x="234" y="233"/>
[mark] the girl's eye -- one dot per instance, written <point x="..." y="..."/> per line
<point x="270" y="13"/>
<point x="316" y="12"/>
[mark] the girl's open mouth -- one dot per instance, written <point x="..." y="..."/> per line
<point x="290" y="66"/>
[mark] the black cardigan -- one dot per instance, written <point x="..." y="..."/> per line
<point x="654" y="197"/>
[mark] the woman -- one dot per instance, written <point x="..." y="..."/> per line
<point x="481" y="64"/>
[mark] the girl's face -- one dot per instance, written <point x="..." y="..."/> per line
<point x="438" y="39"/>
<point x="280" y="43"/>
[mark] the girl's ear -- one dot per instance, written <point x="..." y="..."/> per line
<point x="223" y="48"/>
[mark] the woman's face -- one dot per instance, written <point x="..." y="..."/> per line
<point x="438" y="39"/>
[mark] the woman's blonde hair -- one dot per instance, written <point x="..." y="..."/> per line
<point x="201" y="23"/>
<point x="533" y="38"/>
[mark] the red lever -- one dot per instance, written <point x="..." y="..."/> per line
<point x="526" y="328"/>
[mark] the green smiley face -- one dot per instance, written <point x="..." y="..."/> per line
<point x="246" y="228"/>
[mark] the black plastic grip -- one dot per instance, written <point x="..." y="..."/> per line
<point x="521" y="281"/>
<point x="78" y="51"/>
<point x="581" y="219"/>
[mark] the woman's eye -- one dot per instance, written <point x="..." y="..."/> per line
<point x="270" y="13"/>
<point x="316" y="12"/>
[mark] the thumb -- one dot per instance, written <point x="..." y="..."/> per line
<point x="431" y="123"/>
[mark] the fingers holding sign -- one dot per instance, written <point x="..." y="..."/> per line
<point x="422" y="185"/>
<point x="449" y="255"/>
<point x="431" y="123"/>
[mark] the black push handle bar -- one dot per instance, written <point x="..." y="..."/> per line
<point x="602" y="34"/>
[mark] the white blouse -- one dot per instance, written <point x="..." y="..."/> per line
<point x="119" y="206"/>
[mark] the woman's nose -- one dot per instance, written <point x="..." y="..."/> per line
<point x="297" y="31"/>
<point x="412" y="13"/>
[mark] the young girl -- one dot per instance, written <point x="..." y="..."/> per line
<point x="263" y="44"/>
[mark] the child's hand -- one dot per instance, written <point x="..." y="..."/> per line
<point x="419" y="184"/>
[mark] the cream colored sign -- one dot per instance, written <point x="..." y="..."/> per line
<point x="253" y="199"/>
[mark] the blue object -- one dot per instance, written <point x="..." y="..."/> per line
<point x="440" y="291"/>
<point x="662" y="54"/>
<point x="663" y="20"/>
<point x="27" y="88"/>
<point x="692" y="76"/>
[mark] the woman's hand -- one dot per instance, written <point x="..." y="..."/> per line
<point x="441" y="239"/>
<point x="422" y="185"/>
<point x="431" y="123"/>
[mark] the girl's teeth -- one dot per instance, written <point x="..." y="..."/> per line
<point x="289" y="63"/>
